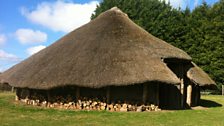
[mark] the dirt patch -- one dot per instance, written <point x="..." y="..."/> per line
<point x="199" y="108"/>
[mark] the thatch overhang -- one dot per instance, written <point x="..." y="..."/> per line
<point x="109" y="50"/>
<point x="199" y="77"/>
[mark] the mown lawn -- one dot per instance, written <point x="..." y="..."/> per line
<point x="12" y="114"/>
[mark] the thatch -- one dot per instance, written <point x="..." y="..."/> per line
<point x="199" y="77"/>
<point x="109" y="50"/>
<point x="4" y="86"/>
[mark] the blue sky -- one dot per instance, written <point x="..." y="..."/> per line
<point x="27" y="26"/>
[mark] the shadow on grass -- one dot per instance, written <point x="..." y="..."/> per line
<point x="208" y="103"/>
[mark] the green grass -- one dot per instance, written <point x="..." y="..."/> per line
<point x="12" y="114"/>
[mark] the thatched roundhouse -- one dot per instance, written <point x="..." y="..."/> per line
<point x="4" y="86"/>
<point x="113" y="59"/>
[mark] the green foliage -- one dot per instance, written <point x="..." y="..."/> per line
<point x="199" y="32"/>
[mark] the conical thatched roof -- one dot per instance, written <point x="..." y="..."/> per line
<point x="109" y="50"/>
<point x="199" y="77"/>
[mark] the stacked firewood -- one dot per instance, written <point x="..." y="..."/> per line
<point x="93" y="105"/>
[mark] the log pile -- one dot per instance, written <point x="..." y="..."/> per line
<point x="93" y="105"/>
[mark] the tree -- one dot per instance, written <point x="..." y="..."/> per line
<point x="199" y="32"/>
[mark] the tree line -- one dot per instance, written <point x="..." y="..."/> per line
<point x="199" y="32"/>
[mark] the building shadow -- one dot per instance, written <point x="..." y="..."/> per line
<point x="209" y="104"/>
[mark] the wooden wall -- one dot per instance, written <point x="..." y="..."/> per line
<point x="91" y="93"/>
<point x="131" y="93"/>
<point x="170" y="97"/>
<point x="166" y="96"/>
<point x="180" y="68"/>
<point x="195" y="95"/>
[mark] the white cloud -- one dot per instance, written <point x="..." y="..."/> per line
<point x="7" y="56"/>
<point x="3" y="39"/>
<point x="35" y="49"/>
<point x="60" y="15"/>
<point x="7" y="60"/>
<point x="29" y="36"/>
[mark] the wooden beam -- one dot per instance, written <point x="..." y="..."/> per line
<point x="145" y="93"/>
<point x="108" y="95"/>
<point x="157" y="94"/>
<point x="181" y="70"/>
<point x="77" y="95"/>
<point x="189" y="95"/>
<point x="17" y="95"/>
<point x="48" y="96"/>
<point x="12" y="89"/>
<point x="27" y="93"/>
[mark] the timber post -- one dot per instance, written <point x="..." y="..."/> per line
<point x="12" y="89"/>
<point x="17" y="95"/>
<point x="16" y="98"/>
<point x="157" y="94"/>
<point x="145" y="92"/>
<point x="189" y="95"/>
<point x="48" y="96"/>
<point x="181" y="85"/>
<point x="27" y="93"/>
<point x="222" y="89"/>
<point x="77" y="95"/>
<point x="108" y="95"/>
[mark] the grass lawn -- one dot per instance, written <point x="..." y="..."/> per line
<point x="12" y="114"/>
